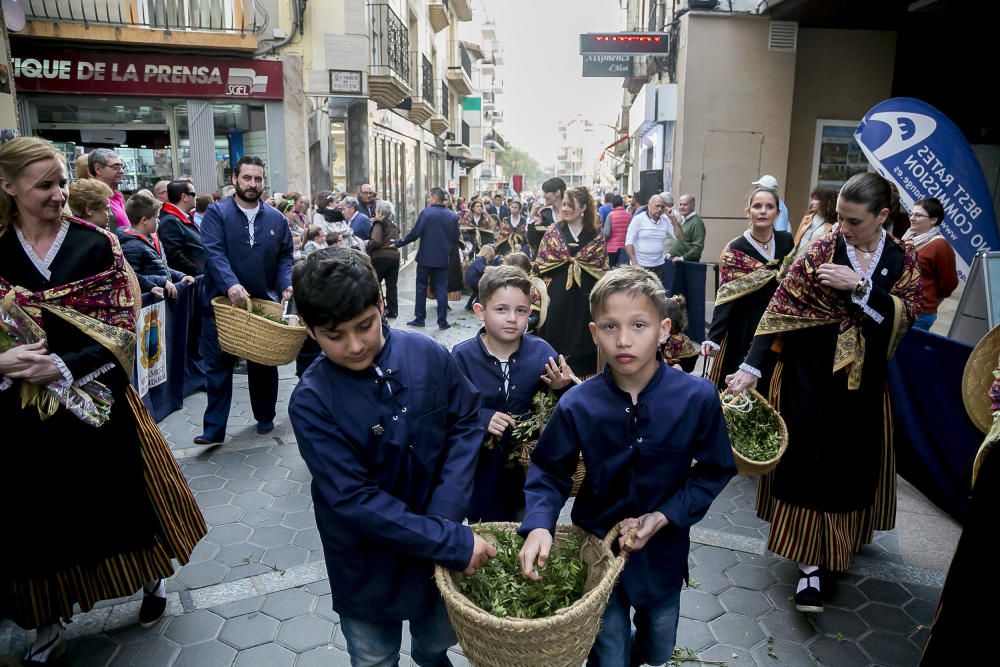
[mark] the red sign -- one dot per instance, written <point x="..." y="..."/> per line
<point x="625" y="43"/>
<point x="148" y="74"/>
<point x="517" y="183"/>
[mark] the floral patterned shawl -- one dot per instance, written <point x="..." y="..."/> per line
<point x="800" y="302"/>
<point x="513" y="237"/>
<point x="741" y="273"/>
<point x="554" y="253"/>
<point x="104" y="306"/>
<point x="679" y="346"/>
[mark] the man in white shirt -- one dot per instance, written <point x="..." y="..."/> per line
<point x="647" y="235"/>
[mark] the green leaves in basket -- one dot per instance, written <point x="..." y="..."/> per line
<point x="499" y="588"/>
<point x="753" y="426"/>
<point x="260" y="311"/>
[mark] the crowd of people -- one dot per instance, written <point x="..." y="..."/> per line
<point x="565" y="290"/>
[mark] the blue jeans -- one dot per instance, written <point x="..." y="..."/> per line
<point x="651" y="643"/>
<point x="925" y="321"/>
<point x="377" y="644"/>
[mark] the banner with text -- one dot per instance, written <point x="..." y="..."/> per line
<point x="918" y="148"/>
<point x="151" y="347"/>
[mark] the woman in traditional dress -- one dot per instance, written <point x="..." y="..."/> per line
<point x="833" y="323"/>
<point x="937" y="258"/>
<point x="97" y="505"/>
<point x="572" y="258"/>
<point x="679" y="349"/>
<point x="513" y="232"/>
<point x="476" y="227"/>
<point x="748" y="271"/>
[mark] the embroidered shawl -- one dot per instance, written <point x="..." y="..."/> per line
<point x="104" y="306"/>
<point x="993" y="437"/>
<point x="741" y="273"/>
<point x="554" y="253"/>
<point x="679" y="346"/>
<point x="801" y="302"/>
<point x="513" y="236"/>
<point x="485" y="226"/>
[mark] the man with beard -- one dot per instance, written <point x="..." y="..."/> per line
<point x="248" y="253"/>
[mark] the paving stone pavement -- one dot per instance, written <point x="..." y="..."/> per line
<point x="255" y="592"/>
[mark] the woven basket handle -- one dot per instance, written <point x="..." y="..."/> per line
<point x="614" y="534"/>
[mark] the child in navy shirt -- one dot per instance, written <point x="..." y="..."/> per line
<point x="389" y="428"/>
<point x="639" y="425"/>
<point x="475" y="272"/>
<point x="508" y="367"/>
<point x="142" y="249"/>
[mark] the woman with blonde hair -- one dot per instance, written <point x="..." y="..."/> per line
<point x="88" y="200"/>
<point x="102" y="507"/>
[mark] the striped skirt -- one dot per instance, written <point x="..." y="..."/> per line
<point x="828" y="539"/>
<point x="36" y="601"/>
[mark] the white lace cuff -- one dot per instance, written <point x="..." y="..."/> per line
<point x="93" y="376"/>
<point x="715" y="346"/>
<point x="863" y="302"/>
<point x="5" y="383"/>
<point x="747" y="368"/>
<point x="67" y="376"/>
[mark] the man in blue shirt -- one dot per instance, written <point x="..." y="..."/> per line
<point x="389" y="428"/>
<point x="771" y="183"/>
<point x="360" y="223"/>
<point x="640" y="425"/>
<point x="606" y="207"/>
<point x="437" y="229"/>
<point x="248" y="253"/>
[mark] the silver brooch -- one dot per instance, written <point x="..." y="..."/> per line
<point x="377" y="429"/>
<point x="885" y="271"/>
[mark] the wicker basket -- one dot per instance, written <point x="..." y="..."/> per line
<point x="452" y="296"/>
<point x="581" y="470"/>
<point x="256" y="338"/>
<point x="561" y="640"/>
<point x="751" y="468"/>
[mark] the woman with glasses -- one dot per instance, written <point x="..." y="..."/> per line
<point x="937" y="259"/>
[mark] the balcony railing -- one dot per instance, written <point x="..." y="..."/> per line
<point x="390" y="41"/>
<point x="243" y="16"/>
<point x="445" y="100"/>
<point x="466" y="60"/>
<point x="427" y="82"/>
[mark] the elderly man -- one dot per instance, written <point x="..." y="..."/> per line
<point x="160" y="191"/>
<point x="109" y="169"/>
<point x="647" y="234"/>
<point x="360" y="223"/>
<point x="691" y="243"/>
<point x="366" y="201"/>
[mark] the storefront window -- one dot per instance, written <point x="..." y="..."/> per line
<point x="238" y="130"/>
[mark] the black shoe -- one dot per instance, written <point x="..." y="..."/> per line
<point x="264" y="428"/>
<point x="392" y="316"/>
<point x="205" y="440"/>
<point x="415" y="323"/>
<point x="151" y="610"/>
<point x="444" y="327"/>
<point x="809" y="600"/>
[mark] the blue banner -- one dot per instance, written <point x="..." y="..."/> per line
<point x="918" y="148"/>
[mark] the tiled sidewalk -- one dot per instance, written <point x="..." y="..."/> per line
<point x="256" y="594"/>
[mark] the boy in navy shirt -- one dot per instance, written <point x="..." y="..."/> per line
<point x="639" y="424"/>
<point x="508" y="367"/>
<point x="389" y="429"/>
<point x="143" y="251"/>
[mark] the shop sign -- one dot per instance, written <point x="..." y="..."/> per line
<point x="152" y="74"/>
<point x="345" y="81"/>
<point x="625" y="43"/>
<point x="607" y="66"/>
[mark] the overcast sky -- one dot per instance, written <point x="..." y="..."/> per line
<point x="542" y="68"/>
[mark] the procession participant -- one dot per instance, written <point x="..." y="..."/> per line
<point x="508" y="367"/>
<point x="102" y="507"/>
<point x="833" y="323"/>
<point x="748" y="277"/>
<point x="539" y="295"/>
<point x="571" y="258"/>
<point x="554" y="191"/>
<point x="512" y="232"/>
<point x="640" y="427"/>
<point x="392" y="457"/>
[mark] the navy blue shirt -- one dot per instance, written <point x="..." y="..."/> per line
<point x="499" y="488"/>
<point x="361" y="225"/>
<point x="437" y="229"/>
<point x="392" y="451"/>
<point x="475" y="272"/>
<point x="638" y="460"/>
<point x="264" y="269"/>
